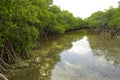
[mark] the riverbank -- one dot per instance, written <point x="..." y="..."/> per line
<point x="108" y="32"/>
<point x="43" y="60"/>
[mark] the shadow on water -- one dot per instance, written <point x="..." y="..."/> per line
<point x="72" y="56"/>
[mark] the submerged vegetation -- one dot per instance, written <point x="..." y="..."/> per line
<point x="25" y="22"/>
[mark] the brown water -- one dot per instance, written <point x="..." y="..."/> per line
<point x="73" y="56"/>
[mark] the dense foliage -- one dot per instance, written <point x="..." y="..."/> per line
<point x="105" y="22"/>
<point x="22" y="22"/>
<point x="108" y="18"/>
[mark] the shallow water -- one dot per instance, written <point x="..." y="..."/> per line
<point x="73" y="56"/>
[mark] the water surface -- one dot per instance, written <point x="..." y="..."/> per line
<point x="82" y="62"/>
<point x="72" y="56"/>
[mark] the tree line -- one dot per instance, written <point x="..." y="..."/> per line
<point x="105" y="22"/>
<point x="24" y="22"/>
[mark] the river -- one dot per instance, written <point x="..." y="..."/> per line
<point x="72" y="56"/>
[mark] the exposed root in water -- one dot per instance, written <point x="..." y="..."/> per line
<point x="107" y="32"/>
<point x="9" y="55"/>
<point x="4" y="66"/>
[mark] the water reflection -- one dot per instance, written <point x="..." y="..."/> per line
<point x="80" y="46"/>
<point x="110" y="49"/>
<point x="80" y="62"/>
<point x="72" y="57"/>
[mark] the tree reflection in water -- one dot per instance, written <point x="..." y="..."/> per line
<point x="109" y="48"/>
<point x="68" y="57"/>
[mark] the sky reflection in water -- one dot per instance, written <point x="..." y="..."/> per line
<point x="79" y="63"/>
